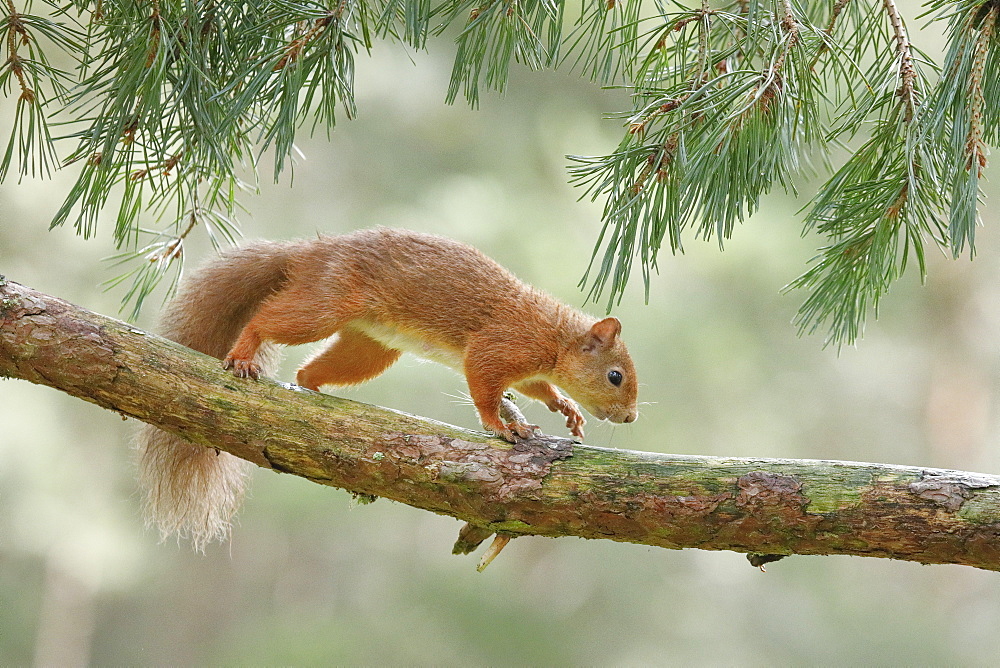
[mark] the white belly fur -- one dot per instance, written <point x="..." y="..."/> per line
<point x="392" y="337"/>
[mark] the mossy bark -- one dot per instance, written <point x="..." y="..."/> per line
<point x="547" y="486"/>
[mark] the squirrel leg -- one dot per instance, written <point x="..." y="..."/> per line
<point x="489" y="370"/>
<point x="353" y="358"/>
<point x="556" y="402"/>
<point x="241" y="357"/>
<point x="487" y="395"/>
<point x="286" y="317"/>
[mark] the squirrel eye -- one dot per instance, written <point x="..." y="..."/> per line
<point x="615" y="377"/>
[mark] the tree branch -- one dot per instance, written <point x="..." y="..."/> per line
<point x="548" y="487"/>
<point x="907" y="73"/>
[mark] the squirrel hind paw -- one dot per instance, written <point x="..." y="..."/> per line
<point x="242" y="368"/>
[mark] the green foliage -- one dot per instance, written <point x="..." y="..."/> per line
<point x="27" y="72"/>
<point x="497" y="32"/>
<point x="724" y="108"/>
<point x="964" y="113"/>
<point x="172" y="104"/>
<point x="730" y="102"/>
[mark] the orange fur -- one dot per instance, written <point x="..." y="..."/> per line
<point x="353" y="358"/>
<point x="383" y="292"/>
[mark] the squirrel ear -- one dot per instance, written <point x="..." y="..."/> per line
<point x="602" y="334"/>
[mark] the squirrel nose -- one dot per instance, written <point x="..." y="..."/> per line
<point x="631" y="417"/>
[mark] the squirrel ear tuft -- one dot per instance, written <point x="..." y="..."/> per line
<point x="602" y="334"/>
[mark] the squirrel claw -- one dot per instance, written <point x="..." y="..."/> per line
<point x="574" y="418"/>
<point x="575" y="422"/>
<point x="242" y="368"/>
<point x="513" y="432"/>
<point x="524" y="430"/>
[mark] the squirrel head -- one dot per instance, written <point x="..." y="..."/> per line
<point x="597" y="372"/>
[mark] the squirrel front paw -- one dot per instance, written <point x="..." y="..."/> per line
<point x="242" y="368"/>
<point x="512" y="432"/>
<point x="575" y="423"/>
<point x="574" y="418"/>
<point x="524" y="430"/>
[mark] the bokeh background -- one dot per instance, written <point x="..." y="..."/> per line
<point x="310" y="578"/>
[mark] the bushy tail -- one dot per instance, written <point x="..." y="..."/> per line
<point x="191" y="490"/>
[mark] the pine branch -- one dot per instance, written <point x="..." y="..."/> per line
<point x="172" y="102"/>
<point x="965" y="114"/>
<point x="827" y="33"/>
<point x="904" y="51"/>
<point x="883" y="204"/>
<point x="38" y="84"/>
<point x="725" y="109"/>
<point x="550" y="487"/>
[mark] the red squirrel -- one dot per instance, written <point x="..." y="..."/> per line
<point x="382" y="292"/>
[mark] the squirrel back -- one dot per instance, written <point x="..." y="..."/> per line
<point x="382" y="292"/>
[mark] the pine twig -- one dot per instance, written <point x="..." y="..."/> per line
<point x="791" y="29"/>
<point x="838" y="7"/>
<point x="295" y="48"/>
<point x="907" y="72"/>
<point x="975" y="147"/>
<point x="17" y="34"/>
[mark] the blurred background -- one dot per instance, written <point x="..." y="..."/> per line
<point x="310" y="578"/>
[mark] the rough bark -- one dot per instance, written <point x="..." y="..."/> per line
<point x="549" y="487"/>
